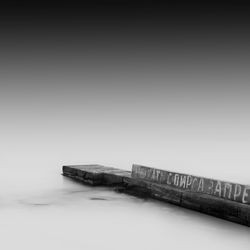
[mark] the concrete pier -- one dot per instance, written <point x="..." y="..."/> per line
<point x="221" y="199"/>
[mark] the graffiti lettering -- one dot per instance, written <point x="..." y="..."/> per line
<point x="225" y="190"/>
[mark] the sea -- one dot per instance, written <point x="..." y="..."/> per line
<point x="41" y="209"/>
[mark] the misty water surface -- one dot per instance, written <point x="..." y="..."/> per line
<point x="43" y="210"/>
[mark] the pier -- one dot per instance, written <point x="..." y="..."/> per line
<point x="225" y="200"/>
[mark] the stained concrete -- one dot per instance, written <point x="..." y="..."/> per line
<point x="195" y="184"/>
<point x="96" y="174"/>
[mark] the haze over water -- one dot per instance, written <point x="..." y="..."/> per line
<point x="167" y="88"/>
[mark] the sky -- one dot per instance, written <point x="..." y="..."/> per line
<point x="123" y="82"/>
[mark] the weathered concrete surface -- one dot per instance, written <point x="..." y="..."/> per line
<point x="221" y="189"/>
<point x="204" y="203"/>
<point x="96" y="174"/>
<point x="123" y="181"/>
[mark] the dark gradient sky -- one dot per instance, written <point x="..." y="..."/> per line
<point x="122" y="82"/>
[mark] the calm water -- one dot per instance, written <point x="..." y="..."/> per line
<point x="40" y="209"/>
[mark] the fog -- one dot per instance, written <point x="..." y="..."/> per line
<point x="166" y="91"/>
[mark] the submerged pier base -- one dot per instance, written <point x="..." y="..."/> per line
<point x="150" y="182"/>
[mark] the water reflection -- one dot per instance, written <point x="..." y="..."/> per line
<point x="67" y="215"/>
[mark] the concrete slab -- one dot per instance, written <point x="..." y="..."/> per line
<point x="145" y="185"/>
